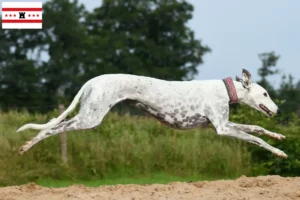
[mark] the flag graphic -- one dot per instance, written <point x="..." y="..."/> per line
<point x="22" y="15"/>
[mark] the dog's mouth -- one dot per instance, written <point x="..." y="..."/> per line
<point x="264" y="108"/>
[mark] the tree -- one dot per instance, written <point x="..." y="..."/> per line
<point x="19" y="78"/>
<point x="269" y="61"/>
<point x="268" y="68"/>
<point x="290" y="93"/>
<point x="62" y="40"/>
<point x="144" y="37"/>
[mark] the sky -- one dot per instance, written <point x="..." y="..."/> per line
<point x="237" y="31"/>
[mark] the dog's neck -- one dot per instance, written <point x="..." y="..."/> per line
<point x="240" y="90"/>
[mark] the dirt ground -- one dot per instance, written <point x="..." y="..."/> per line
<point x="263" y="187"/>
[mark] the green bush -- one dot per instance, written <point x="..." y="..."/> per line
<point x="267" y="163"/>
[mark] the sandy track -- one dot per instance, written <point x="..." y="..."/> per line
<point x="264" y="187"/>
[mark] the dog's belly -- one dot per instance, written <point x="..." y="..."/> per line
<point x="173" y="119"/>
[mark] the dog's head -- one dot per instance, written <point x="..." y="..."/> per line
<point x="256" y="96"/>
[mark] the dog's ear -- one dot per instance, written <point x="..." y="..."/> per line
<point x="246" y="78"/>
<point x="238" y="79"/>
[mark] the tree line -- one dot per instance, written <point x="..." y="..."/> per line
<point x="143" y="37"/>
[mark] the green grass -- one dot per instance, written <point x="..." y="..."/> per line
<point x="127" y="149"/>
<point x="151" y="179"/>
<point x="123" y="146"/>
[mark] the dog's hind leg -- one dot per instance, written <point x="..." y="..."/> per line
<point x="228" y="130"/>
<point x="90" y="116"/>
<point x="79" y="122"/>
<point x="257" y="129"/>
<point x="76" y="123"/>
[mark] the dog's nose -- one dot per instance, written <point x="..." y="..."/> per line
<point x="278" y="112"/>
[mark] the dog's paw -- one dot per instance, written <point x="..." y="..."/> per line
<point x="25" y="147"/>
<point x="278" y="136"/>
<point x="280" y="154"/>
<point x="21" y="151"/>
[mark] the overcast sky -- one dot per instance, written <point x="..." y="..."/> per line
<point x="237" y="31"/>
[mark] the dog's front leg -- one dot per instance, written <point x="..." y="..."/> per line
<point x="257" y="129"/>
<point x="230" y="131"/>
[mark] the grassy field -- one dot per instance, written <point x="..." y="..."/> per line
<point x="122" y="147"/>
<point x="127" y="149"/>
<point x="158" y="178"/>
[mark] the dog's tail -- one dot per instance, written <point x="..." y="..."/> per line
<point x="57" y="120"/>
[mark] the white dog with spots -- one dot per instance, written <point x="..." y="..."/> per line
<point x="178" y="104"/>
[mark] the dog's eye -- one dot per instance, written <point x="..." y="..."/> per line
<point x="265" y="94"/>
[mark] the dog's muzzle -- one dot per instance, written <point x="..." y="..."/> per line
<point x="266" y="110"/>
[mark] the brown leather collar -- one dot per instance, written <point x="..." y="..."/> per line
<point x="233" y="98"/>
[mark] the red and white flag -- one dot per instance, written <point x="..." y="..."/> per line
<point x="22" y="15"/>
